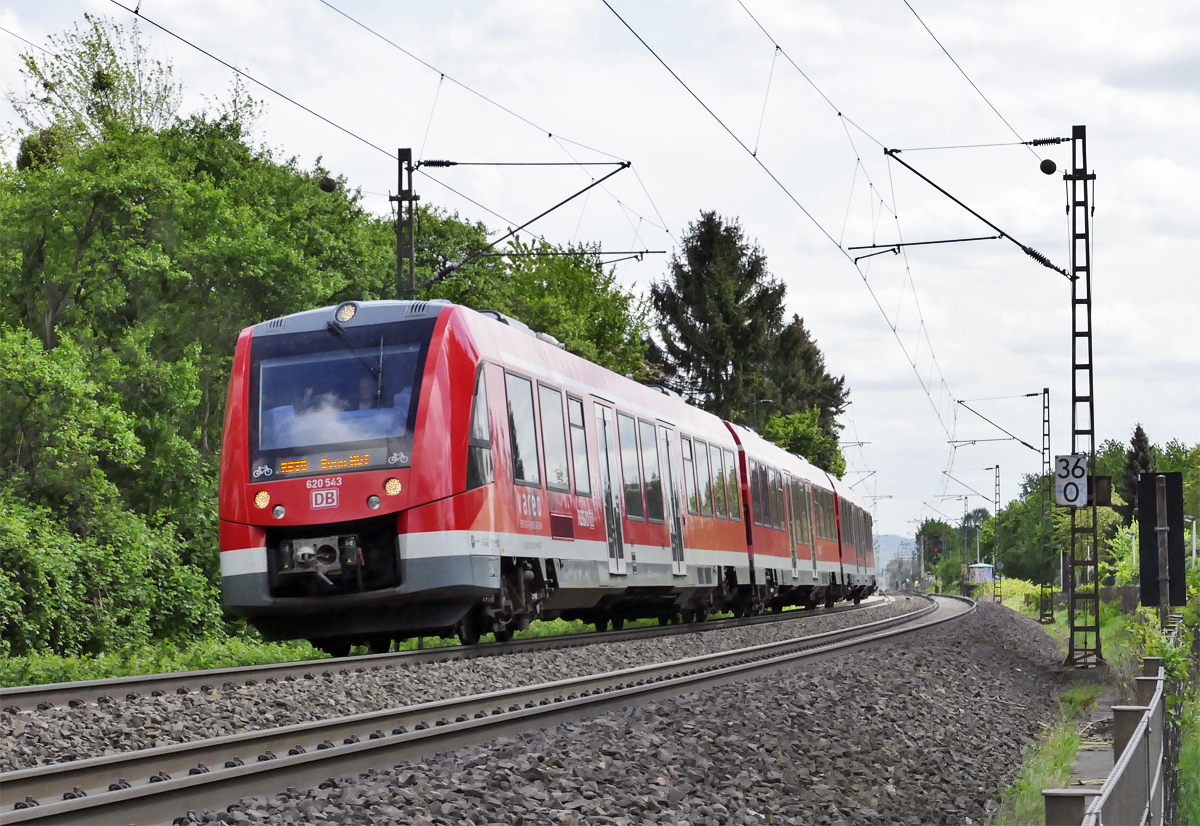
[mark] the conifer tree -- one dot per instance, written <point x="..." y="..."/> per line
<point x="719" y="311"/>
<point x="1139" y="458"/>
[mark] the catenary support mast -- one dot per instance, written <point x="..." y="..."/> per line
<point x="1083" y="595"/>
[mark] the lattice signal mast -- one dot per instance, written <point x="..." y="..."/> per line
<point x="1083" y="596"/>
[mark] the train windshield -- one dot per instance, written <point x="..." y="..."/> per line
<point x="337" y="400"/>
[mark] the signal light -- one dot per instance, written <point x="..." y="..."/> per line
<point x="262" y="499"/>
<point x="346" y="312"/>
<point x="392" y="486"/>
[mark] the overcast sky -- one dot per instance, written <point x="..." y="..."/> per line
<point x="580" y="86"/>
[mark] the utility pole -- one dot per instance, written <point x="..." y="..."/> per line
<point x="1083" y="598"/>
<point x="406" y="226"/>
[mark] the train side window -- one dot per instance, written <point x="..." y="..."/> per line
<point x="822" y="523"/>
<point x="764" y="484"/>
<point x="756" y="493"/>
<point x="870" y="531"/>
<point x="554" y="440"/>
<point x="733" y="486"/>
<point x="830" y="515"/>
<point x="777" y="513"/>
<point x="479" y="440"/>
<point x="704" y="479"/>
<point x="689" y="474"/>
<point x="630" y="472"/>
<point x="522" y="429"/>
<point x="583" y="474"/>
<point x="654" y="493"/>
<point x="720" y="501"/>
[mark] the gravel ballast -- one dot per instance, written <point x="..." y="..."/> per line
<point x="928" y="729"/>
<point x="61" y="734"/>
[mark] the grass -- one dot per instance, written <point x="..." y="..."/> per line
<point x="160" y="657"/>
<point x="1047" y="764"/>
<point x="1189" y="761"/>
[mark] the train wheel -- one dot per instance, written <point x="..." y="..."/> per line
<point x="702" y="615"/>
<point x="601" y="625"/>
<point x="689" y="616"/>
<point x="379" y="643"/>
<point x="504" y="636"/>
<point x="334" y="647"/>
<point x="618" y="623"/>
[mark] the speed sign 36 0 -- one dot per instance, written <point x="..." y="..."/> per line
<point x="1071" y="480"/>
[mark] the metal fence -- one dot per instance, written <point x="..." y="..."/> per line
<point x="1140" y="790"/>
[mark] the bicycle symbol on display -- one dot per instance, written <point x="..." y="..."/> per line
<point x="398" y="458"/>
<point x="262" y="470"/>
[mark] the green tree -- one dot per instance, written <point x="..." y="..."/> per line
<point x="719" y="311"/>
<point x="1110" y="461"/>
<point x="802" y="434"/>
<point x="725" y="344"/>
<point x="795" y="376"/>
<point x="563" y="291"/>
<point x="90" y="79"/>
<point x="1140" y="458"/>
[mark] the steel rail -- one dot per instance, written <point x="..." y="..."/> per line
<point x="418" y="731"/>
<point x="89" y="691"/>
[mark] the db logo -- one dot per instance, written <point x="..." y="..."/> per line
<point x="327" y="498"/>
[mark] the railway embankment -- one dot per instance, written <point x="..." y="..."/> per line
<point x="42" y="736"/>
<point x="927" y="729"/>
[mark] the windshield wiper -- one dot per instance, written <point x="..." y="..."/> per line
<point x="340" y="333"/>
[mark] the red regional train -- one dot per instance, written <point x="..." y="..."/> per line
<point x="393" y="469"/>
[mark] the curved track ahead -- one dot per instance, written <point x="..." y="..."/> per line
<point x="89" y="691"/>
<point x="414" y="731"/>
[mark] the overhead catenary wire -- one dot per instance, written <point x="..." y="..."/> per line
<point x="557" y="138"/>
<point x="255" y="80"/>
<point x="1001" y="429"/>
<point x="433" y="108"/>
<point x="964" y="74"/>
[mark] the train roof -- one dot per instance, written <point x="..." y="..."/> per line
<point x="525" y="352"/>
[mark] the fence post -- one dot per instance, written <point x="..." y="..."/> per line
<point x="1066" y="807"/>
<point x="1125" y="720"/>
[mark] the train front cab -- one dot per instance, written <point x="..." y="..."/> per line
<point x="342" y="425"/>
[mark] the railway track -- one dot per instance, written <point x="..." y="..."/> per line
<point x="89" y="691"/>
<point x="156" y="785"/>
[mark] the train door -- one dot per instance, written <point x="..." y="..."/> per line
<point x="606" y="443"/>
<point x="810" y="521"/>
<point x="789" y="508"/>
<point x="674" y="519"/>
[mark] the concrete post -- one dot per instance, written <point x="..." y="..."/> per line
<point x="1150" y="666"/>
<point x="1125" y="720"/>
<point x="1146" y="686"/>
<point x="1066" y="807"/>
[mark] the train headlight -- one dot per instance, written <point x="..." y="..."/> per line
<point x="262" y="499"/>
<point x="392" y="487"/>
<point x="278" y="511"/>
<point x="373" y="502"/>
<point x="346" y="312"/>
